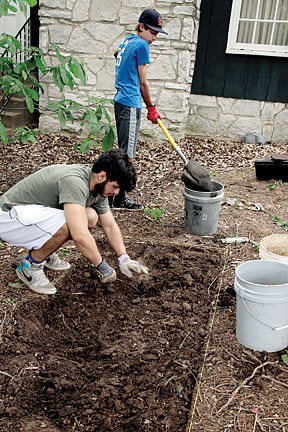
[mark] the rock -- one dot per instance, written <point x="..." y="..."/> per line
<point x="252" y="138"/>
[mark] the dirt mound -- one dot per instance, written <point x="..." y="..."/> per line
<point x="121" y="358"/>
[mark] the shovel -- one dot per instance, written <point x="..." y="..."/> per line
<point x="195" y="176"/>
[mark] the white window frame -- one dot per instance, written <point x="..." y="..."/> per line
<point x="234" y="47"/>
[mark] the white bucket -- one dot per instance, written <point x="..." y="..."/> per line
<point x="274" y="247"/>
<point x="262" y="305"/>
<point x="202" y="210"/>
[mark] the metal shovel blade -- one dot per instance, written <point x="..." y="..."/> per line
<point x="195" y="176"/>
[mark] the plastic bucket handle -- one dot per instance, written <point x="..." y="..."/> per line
<point x="282" y="327"/>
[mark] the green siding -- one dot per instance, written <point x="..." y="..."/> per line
<point x="229" y="75"/>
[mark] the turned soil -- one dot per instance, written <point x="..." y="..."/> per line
<point x="157" y="352"/>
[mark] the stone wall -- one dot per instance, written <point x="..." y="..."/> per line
<point x="231" y="119"/>
<point x="92" y="29"/>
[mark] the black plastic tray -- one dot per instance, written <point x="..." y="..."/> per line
<point x="268" y="169"/>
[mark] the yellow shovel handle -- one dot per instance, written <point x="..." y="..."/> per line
<point x="171" y="140"/>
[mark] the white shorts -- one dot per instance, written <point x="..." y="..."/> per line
<point x="30" y="226"/>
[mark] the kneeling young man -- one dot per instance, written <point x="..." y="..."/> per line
<point x="63" y="202"/>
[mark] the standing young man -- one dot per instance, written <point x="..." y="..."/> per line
<point x="132" y="58"/>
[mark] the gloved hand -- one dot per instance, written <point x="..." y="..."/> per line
<point x="126" y="265"/>
<point x="153" y="114"/>
<point x="105" y="272"/>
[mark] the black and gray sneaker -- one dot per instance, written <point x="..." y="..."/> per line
<point x="126" y="204"/>
<point x="34" y="277"/>
<point x="105" y="273"/>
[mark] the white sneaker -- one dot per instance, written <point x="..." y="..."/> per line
<point x="34" y="277"/>
<point x="54" y="262"/>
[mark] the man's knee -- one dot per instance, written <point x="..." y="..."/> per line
<point x="92" y="217"/>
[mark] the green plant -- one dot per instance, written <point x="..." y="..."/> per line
<point x="274" y="185"/>
<point x="11" y="300"/>
<point x="280" y="222"/>
<point x="25" y="134"/>
<point x="256" y="246"/>
<point x="284" y="358"/>
<point x="18" y="78"/>
<point x="92" y="111"/>
<point x="6" y="6"/>
<point x="62" y="252"/>
<point x="156" y="214"/>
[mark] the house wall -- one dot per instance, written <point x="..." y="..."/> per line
<point x="92" y="30"/>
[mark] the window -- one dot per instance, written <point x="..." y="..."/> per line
<point x="258" y="27"/>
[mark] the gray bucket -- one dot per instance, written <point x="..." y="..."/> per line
<point x="202" y="209"/>
<point x="262" y="305"/>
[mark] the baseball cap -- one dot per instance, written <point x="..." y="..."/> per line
<point x="152" y="19"/>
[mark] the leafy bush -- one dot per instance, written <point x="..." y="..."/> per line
<point x="18" y="78"/>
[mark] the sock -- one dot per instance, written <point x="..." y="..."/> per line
<point x="32" y="260"/>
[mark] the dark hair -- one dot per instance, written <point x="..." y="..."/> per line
<point x="117" y="167"/>
<point x="137" y="28"/>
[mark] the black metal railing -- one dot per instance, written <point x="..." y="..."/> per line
<point x="24" y="36"/>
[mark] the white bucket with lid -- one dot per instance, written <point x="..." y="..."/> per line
<point x="274" y="247"/>
<point x="262" y="305"/>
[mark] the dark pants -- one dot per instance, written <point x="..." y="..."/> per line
<point x="127" y="124"/>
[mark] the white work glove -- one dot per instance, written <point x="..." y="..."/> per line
<point x="126" y="266"/>
<point x="105" y="273"/>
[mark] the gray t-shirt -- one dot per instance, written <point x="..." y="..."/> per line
<point x="53" y="186"/>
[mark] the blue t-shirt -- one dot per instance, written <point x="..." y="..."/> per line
<point x="132" y="52"/>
